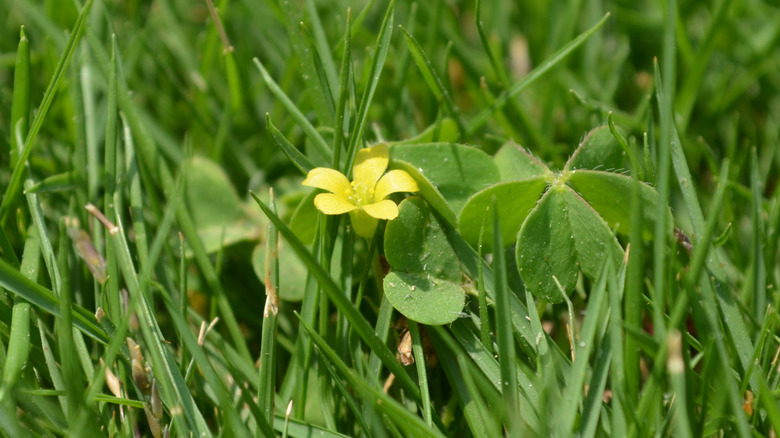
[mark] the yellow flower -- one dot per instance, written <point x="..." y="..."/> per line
<point x="365" y="197"/>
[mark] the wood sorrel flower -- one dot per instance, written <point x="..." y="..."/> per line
<point x="365" y="197"/>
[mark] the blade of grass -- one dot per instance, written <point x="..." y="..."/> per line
<point x="504" y="333"/>
<point x="267" y="377"/>
<point x="375" y="71"/>
<point x="484" y="312"/>
<point x="477" y="414"/>
<point x="344" y="75"/>
<point x="174" y="389"/>
<point x="20" y="104"/>
<point x="524" y="83"/>
<point x="20" y="120"/>
<point x="440" y="92"/>
<point x="12" y="280"/>
<point x="14" y="184"/>
<point x="594" y="319"/>
<point x="534" y="136"/>
<point x="292" y="15"/>
<point x="311" y="132"/>
<point x="298" y="159"/>
<point x="676" y="367"/>
<point x="617" y="292"/>
<point x="19" y="337"/>
<point x="758" y="272"/>
<point x="417" y="349"/>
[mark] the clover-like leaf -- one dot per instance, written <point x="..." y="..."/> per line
<point x="599" y="150"/>
<point x="457" y="171"/>
<point x="610" y="195"/>
<point x="220" y="216"/>
<point x="515" y="200"/>
<point x="425" y="281"/>
<point x="561" y="236"/>
<point x="516" y="163"/>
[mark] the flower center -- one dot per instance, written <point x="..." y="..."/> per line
<point x="362" y="194"/>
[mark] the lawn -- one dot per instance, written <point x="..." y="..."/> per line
<point x="389" y="219"/>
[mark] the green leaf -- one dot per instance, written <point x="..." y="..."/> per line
<point x="610" y="195"/>
<point x="599" y="150"/>
<point x="562" y="235"/>
<point x="425" y="299"/>
<point x="516" y="199"/>
<point x="428" y="191"/>
<point x="219" y="215"/>
<point x="414" y="242"/>
<point x="514" y="162"/>
<point x="424" y="284"/>
<point x="303" y="217"/>
<point x="457" y="171"/>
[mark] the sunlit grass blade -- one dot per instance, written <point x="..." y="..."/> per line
<point x="759" y="271"/>
<point x="343" y="95"/>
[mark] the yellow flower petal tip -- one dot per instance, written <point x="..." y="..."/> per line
<point x="365" y="197"/>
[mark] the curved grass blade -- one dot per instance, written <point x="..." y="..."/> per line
<point x="309" y="129"/>
<point x="299" y="159"/>
<point x="524" y="83"/>
<point x="432" y="79"/>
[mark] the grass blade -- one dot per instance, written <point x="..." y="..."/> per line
<point x="12" y="190"/>
<point x="309" y="129"/>
<point x="524" y="83"/>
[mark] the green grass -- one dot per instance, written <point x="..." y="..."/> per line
<point x="139" y="142"/>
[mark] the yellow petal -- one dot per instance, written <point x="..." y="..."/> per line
<point x="363" y="224"/>
<point x="370" y="164"/>
<point x="394" y="181"/>
<point x="329" y="203"/>
<point x="330" y="180"/>
<point x="382" y="210"/>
